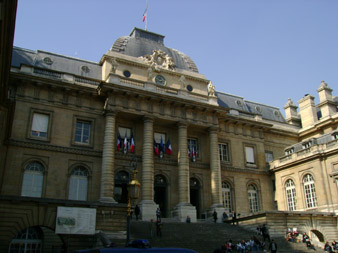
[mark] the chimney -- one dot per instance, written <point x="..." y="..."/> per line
<point x="307" y="110"/>
<point x="291" y="114"/>
<point x="326" y="103"/>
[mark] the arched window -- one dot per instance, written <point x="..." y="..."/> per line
<point x="28" y="240"/>
<point x="309" y="191"/>
<point x="226" y="195"/>
<point x="32" y="180"/>
<point x="78" y="184"/>
<point x="253" y="198"/>
<point x="290" y="191"/>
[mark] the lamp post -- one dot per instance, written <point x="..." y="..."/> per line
<point x="133" y="194"/>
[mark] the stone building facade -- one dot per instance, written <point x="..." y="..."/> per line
<point x="79" y="128"/>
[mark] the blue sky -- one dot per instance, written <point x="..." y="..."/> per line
<point x="263" y="50"/>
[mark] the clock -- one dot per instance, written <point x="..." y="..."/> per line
<point x="159" y="79"/>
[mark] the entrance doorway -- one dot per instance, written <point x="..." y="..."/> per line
<point x="195" y="195"/>
<point x="160" y="194"/>
<point x="121" y="187"/>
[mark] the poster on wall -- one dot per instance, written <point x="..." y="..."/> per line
<point x="74" y="220"/>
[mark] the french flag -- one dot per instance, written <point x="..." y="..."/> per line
<point x="125" y="143"/>
<point x="132" y="144"/>
<point x="156" y="148"/>
<point x="168" y="149"/>
<point x="145" y="13"/>
<point x="118" y="144"/>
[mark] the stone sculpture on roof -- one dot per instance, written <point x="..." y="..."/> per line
<point x="160" y="59"/>
<point x="211" y="89"/>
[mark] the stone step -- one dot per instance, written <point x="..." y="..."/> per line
<point x="201" y="236"/>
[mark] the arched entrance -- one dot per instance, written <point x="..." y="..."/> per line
<point x="318" y="235"/>
<point x="121" y="187"/>
<point x="160" y="194"/>
<point x="195" y="195"/>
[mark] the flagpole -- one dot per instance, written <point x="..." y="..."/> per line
<point x="147" y="15"/>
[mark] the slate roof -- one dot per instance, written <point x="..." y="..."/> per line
<point x="141" y="42"/>
<point x="59" y="63"/>
<point x="238" y="103"/>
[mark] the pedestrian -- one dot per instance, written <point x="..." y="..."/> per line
<point x="188" y="220"/>
<point x="225" y="217"/>
<point x="215" y="216"/>
<point x="137" y="211"/>
<point x="273" y="246"/>
<point x="159" y="225"/>
<point x="158" y="214"/>
<point x="233" y="217"/>
<point x="265" y="233"/>
<point x="151" y="228"/>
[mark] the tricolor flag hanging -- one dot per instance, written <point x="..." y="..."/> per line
<point x="156" y="148"/>
<point x="193" y="155"/>
<point x="161" y="148"/>
<point x="145" y="13"/>
<point x="118" y="143"/>
<point x="132" y="144"/>
<point x="168" y="149"/>
<point x="125" y="144"/>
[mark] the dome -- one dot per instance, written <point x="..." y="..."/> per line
<point x="141" y="42"/>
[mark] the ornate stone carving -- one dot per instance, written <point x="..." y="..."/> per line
<point x="114" y="65"/>
<point x="182" y="81"/>
<point x="159" y="59"/>
<point x="211" y="89"/>
<point x="151" y="71"/>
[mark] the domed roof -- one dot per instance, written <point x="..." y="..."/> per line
<point x="141" y="42"/>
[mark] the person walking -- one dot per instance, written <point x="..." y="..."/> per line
<point x="159" y="225"/>
<point x="233" y="218"/>
<point x="137" y="211"/>
<point x="215" y="216"/>
<point x="158" y="214"/>
<point x="273" y="246"/>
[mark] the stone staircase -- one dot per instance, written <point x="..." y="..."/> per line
<point x="203" y="237"/>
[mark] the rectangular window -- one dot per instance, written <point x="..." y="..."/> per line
<point x="40" y="125"/>
<point x="82" y="132"/>
<point x="249" y="155"/>
<point x="125" y="139"/>
<point x="125" y="132"/>
<point x="268" y="156"/>
<point x="193" y="147"/>
<point x="223" y="152"/>
<point x="158" y="136"/>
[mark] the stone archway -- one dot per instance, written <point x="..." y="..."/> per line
<point x="195" y="187"/>
<point x="160" y="194"/>
<point x="317" y="235"/>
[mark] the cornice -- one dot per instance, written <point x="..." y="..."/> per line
<point x="240" y="170"/>
<point x="54" y="148"/>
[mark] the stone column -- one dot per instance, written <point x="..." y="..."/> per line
<point x="147" y="205"/>
<point x="184" y="208"/>
<point x="108" y="159"/>
<point x="183" y="165"/>
<point x="215" y="175"/>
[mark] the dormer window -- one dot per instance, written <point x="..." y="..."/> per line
<point x="335" y="136"/>
<point x="307" y="145"/>
<point x="289" y="151"/>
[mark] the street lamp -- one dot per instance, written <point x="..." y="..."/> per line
<point x="133" y="194"/>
